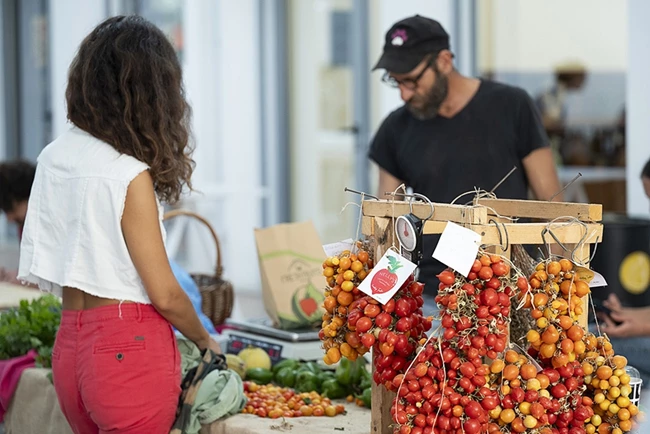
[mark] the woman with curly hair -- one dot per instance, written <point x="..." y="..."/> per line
<point x="94" y="234"/>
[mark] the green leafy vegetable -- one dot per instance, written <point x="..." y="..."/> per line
<point x="32" y="325"/>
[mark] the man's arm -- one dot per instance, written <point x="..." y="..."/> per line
<point x="387" y="183"/>
<point x="542" y="175"/>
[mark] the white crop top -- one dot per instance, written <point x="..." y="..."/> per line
<point x="73" y="234"/>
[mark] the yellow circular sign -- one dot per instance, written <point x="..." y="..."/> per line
<point x="634" y="272"/>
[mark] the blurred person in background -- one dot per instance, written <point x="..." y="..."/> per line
<point x="16" y="178"/>
<point x="629" y="327"/>
<point x="454" y="133"/>
<point x="552" y="104"/>
<point x="569" y="77"/>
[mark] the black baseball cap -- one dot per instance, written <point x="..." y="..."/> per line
<point x="409" y="41"/>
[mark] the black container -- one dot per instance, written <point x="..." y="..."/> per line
<point x="625" y="246"/>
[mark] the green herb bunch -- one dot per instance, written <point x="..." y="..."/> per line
<point x="32" y="325"/>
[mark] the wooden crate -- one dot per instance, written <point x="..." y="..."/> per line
<point x="485" y="216"/>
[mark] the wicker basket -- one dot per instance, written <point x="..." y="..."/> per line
<point x="217" y="295"/>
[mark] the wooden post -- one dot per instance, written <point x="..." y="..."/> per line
<point x="382" y="399"/>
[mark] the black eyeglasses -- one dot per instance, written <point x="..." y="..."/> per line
<point x="409" y="83"/>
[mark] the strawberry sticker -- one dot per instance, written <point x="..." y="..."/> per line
<point x="385" y="279"/>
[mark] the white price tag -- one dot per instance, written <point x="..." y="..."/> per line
<point x="335" y="249"/>
<point x="597" y="281"/>
<point x="387" y="277"/>
<point x="458" y="248"/>
<point x="593" y="278"/>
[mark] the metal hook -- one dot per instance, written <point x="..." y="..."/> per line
<point x="577" y="246"/>
<point x="548" y="249"/>
<point x="593" y="255"/>
<point x="580" y="243"/>
<point x="504" y="247"/>
<point x="414" y="195"/>
<point x="360" y="193"/>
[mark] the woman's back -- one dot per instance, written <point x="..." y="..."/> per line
<point x="76" y="239"/>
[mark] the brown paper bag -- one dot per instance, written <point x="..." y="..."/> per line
<point x="290" y="257"/>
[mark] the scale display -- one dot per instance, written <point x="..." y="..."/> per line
<point x="238" y="343"/>
<point x="407" y="233"/>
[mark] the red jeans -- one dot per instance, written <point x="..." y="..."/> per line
<point x="116" y="369"/>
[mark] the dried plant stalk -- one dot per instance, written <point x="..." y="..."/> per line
<point x="521" y="319"/>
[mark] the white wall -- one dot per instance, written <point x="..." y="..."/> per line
<point x="534" y="35"/>
<point x="70" y="22"/>
<point x="638" y="104"/>
<point x="221" y="66"/>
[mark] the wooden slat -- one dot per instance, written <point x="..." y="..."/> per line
<point x="543" y="210"/>
<point x="367" y="226"/>
<point x="382" y="398"/>
<point x="442" y="212"/>
<point x="527" y="233"/>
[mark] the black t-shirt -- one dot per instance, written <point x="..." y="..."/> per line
<point x="442" y="158"/>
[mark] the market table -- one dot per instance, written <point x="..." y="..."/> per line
<point x="35" y="409"/>
<point x="356" y="421"/>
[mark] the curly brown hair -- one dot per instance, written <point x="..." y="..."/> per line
<point x="16" y="179"/>
<point x="125" y="87"/>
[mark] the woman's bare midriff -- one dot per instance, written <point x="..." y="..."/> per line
<point x="76" y="299"/>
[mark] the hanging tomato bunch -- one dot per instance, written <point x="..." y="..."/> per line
<point x="353" y="322"/>
<point x="447" y="389"/>
<point x="568" y="382"/>
<point x="344" y="273"/>
<point x="393" y="330"/>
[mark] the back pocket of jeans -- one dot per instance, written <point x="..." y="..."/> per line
<point x="119" y="347"/>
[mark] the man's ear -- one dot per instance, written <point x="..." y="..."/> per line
<point x="445" y="61"/>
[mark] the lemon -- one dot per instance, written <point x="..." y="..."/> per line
<point x="634" y="272"/>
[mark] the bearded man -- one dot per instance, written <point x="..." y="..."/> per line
<point x="455" y="133"/>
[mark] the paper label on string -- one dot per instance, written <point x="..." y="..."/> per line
<point x="335" y="249"/>
<point x="593" y="278"/>
<point x="387" y="277"/>
<point x="457" y="248"/>
<point x="597" y="281"/>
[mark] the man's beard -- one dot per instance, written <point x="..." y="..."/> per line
<point x="429" y="104"/>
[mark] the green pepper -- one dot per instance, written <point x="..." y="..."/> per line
<point x="286" y="363"/>
<point x="286" y="377"/>
<point x="366" y="379"/>
<point x="344" y="372"/>
<point x="326" y="375"/>
<point x="307" y="381"/>
<point x="311" y="367"/>
<point x="332" y="389"/>
<point x="355" y="370"/>
<point x="366" y="397"/>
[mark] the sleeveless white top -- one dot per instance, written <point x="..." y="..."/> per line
<point x="73" y="234"/>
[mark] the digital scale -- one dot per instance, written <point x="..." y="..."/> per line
<point x="302" y="344"/>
